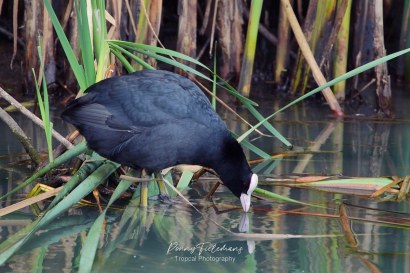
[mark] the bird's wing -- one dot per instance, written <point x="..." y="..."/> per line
<point x="141" y="100"/>
<point x="85" y="112"/>
<point x="159" y="97"/>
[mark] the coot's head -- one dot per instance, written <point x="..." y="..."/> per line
<point x="234" y="171"/>
<point x="241" y="186"/>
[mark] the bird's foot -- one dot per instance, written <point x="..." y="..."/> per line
<point x="165" y="198"/>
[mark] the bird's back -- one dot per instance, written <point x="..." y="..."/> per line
<point x="154" y="119"/>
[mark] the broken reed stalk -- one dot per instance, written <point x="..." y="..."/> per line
<point x="33" y="117"/>
<point x="21" y="136"/>
<point x="228" y="23"/>
<point x="138" y="180"/>
<point x="304" y="47"/>
<point x="186" y="43"/>
<point x="29" y="201"/>
<point x="297" y="85"/>
<point x="282" y="44"/>
<point x="383" y="90"/>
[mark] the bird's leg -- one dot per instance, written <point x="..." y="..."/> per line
<point x="144" y="195"/>
<point x="163" y="192"/>
<point x="144" y="192"/>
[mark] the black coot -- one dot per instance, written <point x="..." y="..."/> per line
<point x="154" y="119"/>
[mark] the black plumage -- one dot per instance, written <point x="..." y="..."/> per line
<point x="155" y="119"/>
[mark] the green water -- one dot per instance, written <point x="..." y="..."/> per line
<point x="177" y="238"/>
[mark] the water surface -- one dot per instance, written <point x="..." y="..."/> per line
<point x="177" y="238"/>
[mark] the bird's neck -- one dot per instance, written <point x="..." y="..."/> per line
<point x="231" y="166"/>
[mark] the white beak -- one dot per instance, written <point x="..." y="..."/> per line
<point x="246" y="202"/>
<point x="246" y="197"/>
